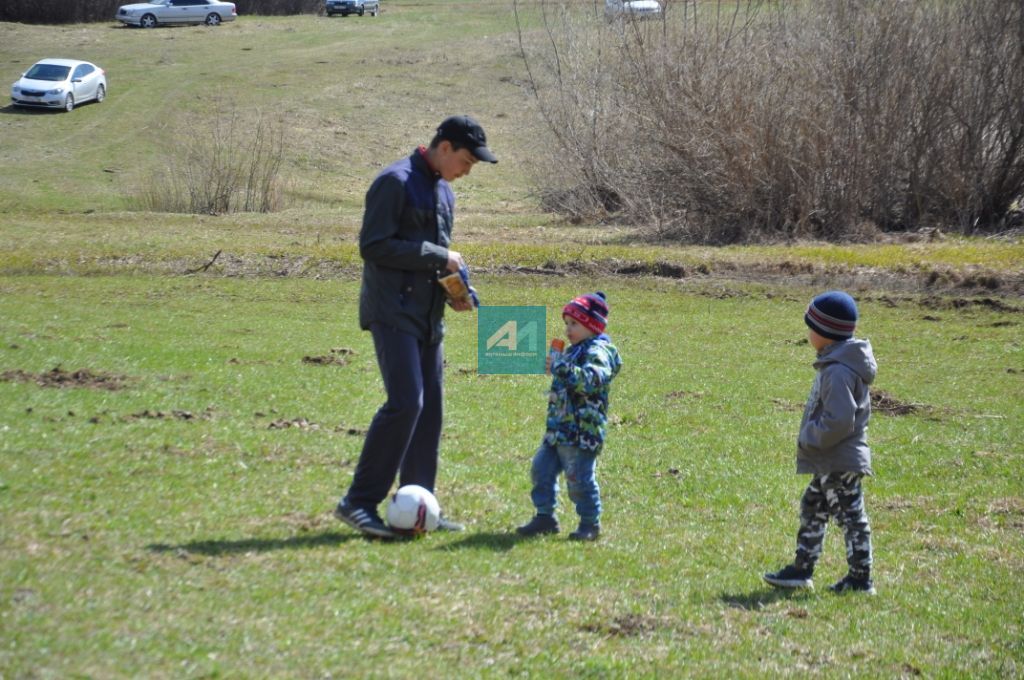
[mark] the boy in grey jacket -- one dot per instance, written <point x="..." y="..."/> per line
<point x="832" y="446"/>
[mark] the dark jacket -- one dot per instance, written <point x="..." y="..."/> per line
<point x="834" y="430"/>
<point x="407" y="227"/>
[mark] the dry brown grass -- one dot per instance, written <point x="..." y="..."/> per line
<point x="739" y="121"/>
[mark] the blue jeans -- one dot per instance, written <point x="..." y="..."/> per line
<point x="579" y="467"/>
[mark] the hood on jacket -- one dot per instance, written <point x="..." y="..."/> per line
<point x="855" y="354"/>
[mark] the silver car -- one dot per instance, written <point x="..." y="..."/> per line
<point x="346" y="7"/>
<point x="152" y="14"/>
<point x="640" y="9"/>
<point x="60" y="84"/>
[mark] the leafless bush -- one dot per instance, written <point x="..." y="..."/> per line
<point x="218" y="165"/>
<point x="733" y="121"/>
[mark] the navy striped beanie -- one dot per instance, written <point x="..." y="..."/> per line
<point x="832" y="315"/>
<point x="591" y="310"/>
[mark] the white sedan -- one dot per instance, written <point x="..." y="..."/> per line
<point x="151" y="14"/>
<point x="60" y="84"/>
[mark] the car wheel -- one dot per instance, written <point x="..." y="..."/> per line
<point x="213" y="19"/>
<point x="69" y="103"/>
<point x="148" y="21"/>
<point x="361" y="11"/>
<point x="101" y="94"/>
<point x="373" y="12"/>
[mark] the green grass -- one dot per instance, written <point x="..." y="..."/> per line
<point x="137" y="545"/>
<point x="176" y="528"/>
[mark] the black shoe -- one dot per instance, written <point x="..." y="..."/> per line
<point x="445" y="524"/>
<point x="366" y="521"/>
<point x="539" y="525"/>
<point x="849" y="584"/>
<point x="790" y="577"/>
<point x="586" y="532"/>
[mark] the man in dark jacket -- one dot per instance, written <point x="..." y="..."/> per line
<point x="407" y="228"/>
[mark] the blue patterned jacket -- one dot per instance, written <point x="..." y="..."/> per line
<point x="578" y="404"/>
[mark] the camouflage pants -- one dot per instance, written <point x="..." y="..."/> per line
<point x="838" y="495"/>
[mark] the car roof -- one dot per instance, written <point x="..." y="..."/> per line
<point x="62" y="62"/>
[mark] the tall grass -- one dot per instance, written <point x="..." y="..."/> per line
<point x="735" y="121"/>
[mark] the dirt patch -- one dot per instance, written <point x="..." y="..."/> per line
<point x="787" y="405"/>
<point x="309" y="426"/>
<point x="58" y="377"/>
<point x="683" y="394"/>
<point x="935" y="302"/>
<point x="338" y="356"/>
<point x="886" y="404"/>
<point x="296" y="423"/>
<point x="934" y="281"/>
<point x="171" y="415"/>
<point x="630" y="625"/>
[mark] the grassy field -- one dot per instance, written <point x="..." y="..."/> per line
<point x="171" y="445"/>
<point x="180" y="525"/>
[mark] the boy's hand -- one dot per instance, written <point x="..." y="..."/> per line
<point x="547" y="364"/>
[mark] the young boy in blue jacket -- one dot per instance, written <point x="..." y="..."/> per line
<point x="832" y="446"/>
<point x="577" y="420"/>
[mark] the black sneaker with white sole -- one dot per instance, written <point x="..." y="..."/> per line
<point x="586" y="532"/>
<point x="363" y="520"/>
<point x="849" y="584"/>
<point x="446" y="524"/>
<point x="539" y="526"/>
<point x="790" y="577"/>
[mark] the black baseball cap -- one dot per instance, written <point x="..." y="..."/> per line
<point x="467" y="133"/>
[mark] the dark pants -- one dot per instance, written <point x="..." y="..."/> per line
<point x="405" y="434"/>
<point x="838" y="495"/>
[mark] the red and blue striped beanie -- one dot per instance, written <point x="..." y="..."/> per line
<point x="832" y="315"/>
<point x="591" y="310"/>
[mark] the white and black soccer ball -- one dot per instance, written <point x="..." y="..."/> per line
<point x="413" y="509"/>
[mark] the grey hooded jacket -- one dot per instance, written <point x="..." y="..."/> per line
<point x="833" y="432"/>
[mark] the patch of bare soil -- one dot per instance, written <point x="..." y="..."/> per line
<point x="787" y="405"/>
<point x="309" y="426"/>
<point x="935" y="282"/>
<point x="629" y="625"/>
<point x="886" y="404"/>
<point x="58" y="377"/>
<point x="338" y="356"/>
<point x="171" y="415"/>
<point x="990" y="303"/>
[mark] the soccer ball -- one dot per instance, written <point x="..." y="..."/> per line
<point x="413" y="509"/>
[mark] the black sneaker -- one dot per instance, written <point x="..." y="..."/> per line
<point x="539" y="525"/>
<point x="790" y="577"/>
<point x="849" y="584"/>
<point x="586" y="532"/>
<point x="363" y="520"/>
<point x="445" y="524"/>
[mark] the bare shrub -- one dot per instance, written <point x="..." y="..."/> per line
<point x="732" y="121"/>
<point x="217" y="165"/>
